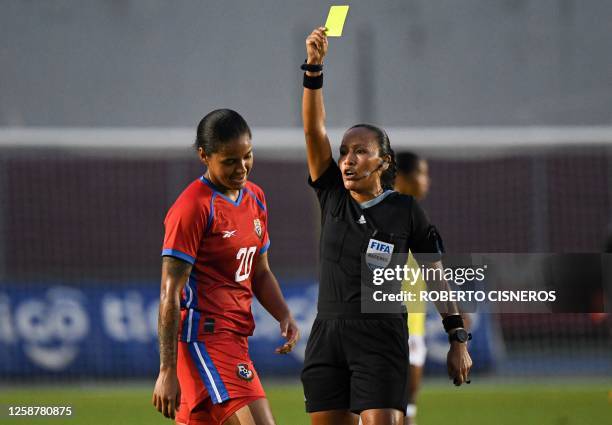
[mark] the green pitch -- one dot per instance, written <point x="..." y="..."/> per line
<point x="560" y="403"/>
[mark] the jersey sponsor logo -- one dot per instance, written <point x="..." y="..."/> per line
<point x="229" y="233"/>
<point x="243" y="372"/>
<point x="258" y="228"/>
<point x="378" y="254"/>
<point x="361" y="220"/>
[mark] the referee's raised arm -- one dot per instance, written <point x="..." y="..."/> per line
<point x="318" y="148"/>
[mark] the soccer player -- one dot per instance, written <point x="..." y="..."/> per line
<point x="357" y="362"/>
<point x="412" y="175"/>
<point x="413" y="179"/>
<point x="214" y="260"/>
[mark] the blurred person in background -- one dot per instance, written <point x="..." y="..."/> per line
<point x="413" y="179"/>
<point x="357" y="363"/>
<point x="214" y="260"/>
<point x="412" y="176"/>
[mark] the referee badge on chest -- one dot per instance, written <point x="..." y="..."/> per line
<point x="378" y="254"/>
<point x="258" y="229"/>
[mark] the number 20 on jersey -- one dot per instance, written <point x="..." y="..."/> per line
<point x="245" y="255"/>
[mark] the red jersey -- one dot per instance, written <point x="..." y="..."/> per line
<point x="222" y="239"/>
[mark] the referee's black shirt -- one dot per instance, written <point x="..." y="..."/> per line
<point x="346" y="228"/>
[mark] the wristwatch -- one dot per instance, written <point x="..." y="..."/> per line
<point x="460" y="335"/>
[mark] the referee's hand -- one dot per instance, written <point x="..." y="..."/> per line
<point x="316" y="46"/>
<point x="459" y="363"/>
<point x="290" y="332"/>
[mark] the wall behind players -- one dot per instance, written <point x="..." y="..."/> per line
<point x="399" y="62"/>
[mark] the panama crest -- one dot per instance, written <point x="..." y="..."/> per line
<point x="258" y="229"/>
<point x="243" y="372"/>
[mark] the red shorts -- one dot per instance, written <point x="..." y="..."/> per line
<point x="217" y="378"/>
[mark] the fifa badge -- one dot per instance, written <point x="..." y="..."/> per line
<point x="378" y="255"/>
<point x="258" y="230"/>
<point x="243" y="372"/>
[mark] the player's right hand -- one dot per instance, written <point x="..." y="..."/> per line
<point x="316" y="46"/>
<point x="167" y="393"/>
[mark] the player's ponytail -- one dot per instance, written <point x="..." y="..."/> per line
<point x="387" y="178"/>
<point x="218" y="127"/>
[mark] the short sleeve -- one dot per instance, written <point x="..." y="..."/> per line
<point x="266" y="238"/>
<point x="424" y="236"/>
<point x="328" y="183"/>
<point x="261" y="211"/>
<point x="184" y="226"/>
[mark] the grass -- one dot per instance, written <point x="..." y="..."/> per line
<point x="500" y="403"/>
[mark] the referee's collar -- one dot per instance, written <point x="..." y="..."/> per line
<point x="377" y="200"/>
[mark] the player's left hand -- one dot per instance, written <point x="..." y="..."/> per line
<point x="459" y="363"/>
<point x="167" y="393"/>
<point x="289" y="331"/>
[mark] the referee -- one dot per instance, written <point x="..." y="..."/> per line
<point x="356" y="362"/>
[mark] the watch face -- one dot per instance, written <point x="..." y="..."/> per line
<point x="461" y="335"/>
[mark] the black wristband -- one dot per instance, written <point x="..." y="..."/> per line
<point x="312" y="67"/>
<point x="452" y="322"/>
<point x="313" y="83"/>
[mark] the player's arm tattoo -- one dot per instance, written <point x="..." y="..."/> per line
<point x="174" y="276"/>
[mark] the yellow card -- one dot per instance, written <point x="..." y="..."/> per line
<point x="335" y="20"/>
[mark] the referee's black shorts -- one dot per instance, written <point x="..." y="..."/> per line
<point x="356" y="364"/>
